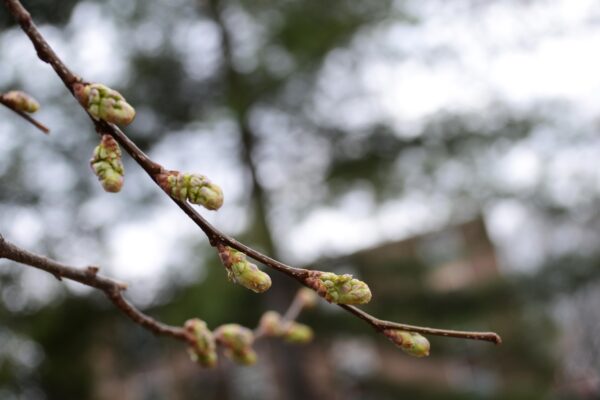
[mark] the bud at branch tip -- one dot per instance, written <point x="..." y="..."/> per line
<point x="20" y="101"/>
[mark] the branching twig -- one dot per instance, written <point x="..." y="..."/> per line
<point x="114" y="289"/>
<point x="89" y="276"/>
<point x="28" y="118"/>
<point x="215" y="236"/>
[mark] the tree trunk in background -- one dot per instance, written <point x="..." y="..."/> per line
<point x="287" y="362"/>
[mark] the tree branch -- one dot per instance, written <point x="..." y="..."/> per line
<point x="114" y="289"/>
<point x="215" y="236"/>
<point x="89" y="276"/>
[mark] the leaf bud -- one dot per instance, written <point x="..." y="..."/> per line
<point x="237" y="342"/>
<point x="104" y="103"/>
<point x="195" y="188"/>
<point x="107" y="165"/>
<point x="411" y="343"/>
<point x="243" y="272"/>
<point x="270" y="323"/>
<point x="20" y="101"/>
<point x="295" y="332"/>
<point x="204" y="349"/>
<point x="339" y="289"/>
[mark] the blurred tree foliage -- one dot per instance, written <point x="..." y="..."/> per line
<point x="257" y="73"/>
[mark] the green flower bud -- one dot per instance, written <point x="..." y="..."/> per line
<point x="308" y="297"/>
<point x="104" y="103"/>
<point x="297" y="333"/>
<point x="243" y="272"/>
<point x="107" y="165"/>
<point x="339" y="289"/>
<point x="204" y="349"/>
<point x="411" y="343"/>
<point x="20" y="101"/>
<point x="195" y="188"/>
<point x="237" y="342"/>
<point x="270" y="323"/>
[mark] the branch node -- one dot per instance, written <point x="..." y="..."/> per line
<point x="92" y="270"/>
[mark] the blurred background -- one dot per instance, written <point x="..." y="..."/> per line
<point x="446" y="152"/>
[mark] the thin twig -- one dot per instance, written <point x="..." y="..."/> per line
<point x="294" y="309"/>
<point x="25" y="116"/>
<point x="381" y="325"/>
<point x="89" y="276"/>
<point x="214" y="235"/>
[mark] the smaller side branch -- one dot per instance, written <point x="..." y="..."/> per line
<point x="25" y="116"/>
<point x="381" y="325"/>
<point x="89" y="276"/>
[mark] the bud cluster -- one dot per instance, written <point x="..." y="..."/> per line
<point x="195" y="188"/>
<point x="411" y="343"/>
<point x="237" y="342"/>
<point x="107" y="165"/>
<point x="104" y="103"/>
<point x="204" y="349"/>
<point x="242" y="271"/>
<point x="339" y="289"/>
<point x="20" y="101"/>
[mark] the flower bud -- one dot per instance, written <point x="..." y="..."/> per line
<point x="195" y="188"/>
<point x="297" y="333"/>
<point x="270" y="323"/>
<point x="204" y="349"/>
<point x="339" y="289"/>
<point x="243" y="272"/>
<point x="237" y="342"/>
<point x="107" y="165"/>
<point x="308" y="297"/>
<point x="411" y="343"/>
<point x="20" y="101"/>
<point x="104" y="103"/>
